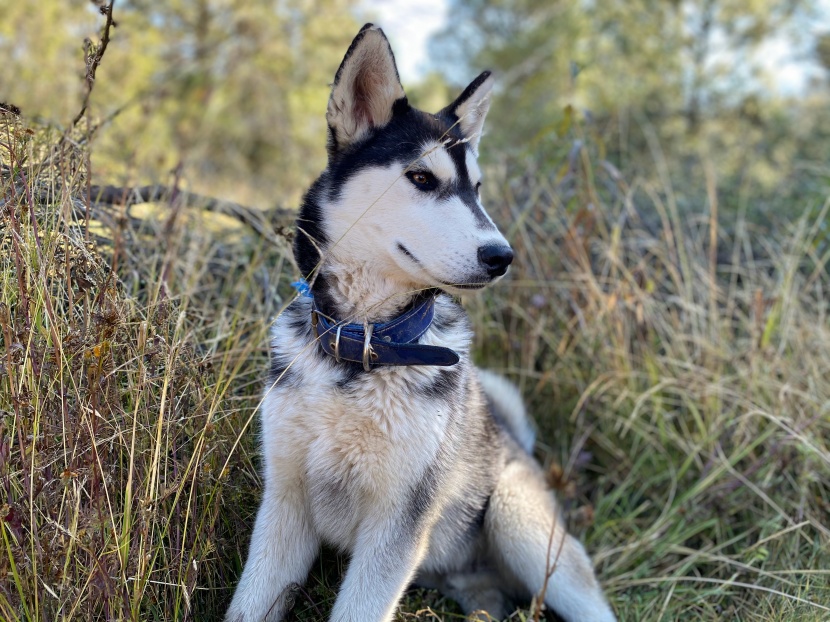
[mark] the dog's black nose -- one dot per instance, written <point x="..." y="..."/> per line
<point x="496" y="258"/>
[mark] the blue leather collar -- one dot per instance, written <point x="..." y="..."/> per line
<point x="390" y="343"/>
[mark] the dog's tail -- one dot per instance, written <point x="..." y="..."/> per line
<point x="508" y="408"/>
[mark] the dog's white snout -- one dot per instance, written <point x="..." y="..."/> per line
<point x="495" y="258"/>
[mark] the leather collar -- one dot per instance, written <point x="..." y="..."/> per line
<point x="392" y="343"/>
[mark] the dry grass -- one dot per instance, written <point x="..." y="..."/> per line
<point x="678" y="373"/>
<point x="125" y="394"/>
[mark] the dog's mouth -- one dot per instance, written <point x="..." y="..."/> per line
<point x="408" y="254"/>
<point x="468" y="285"/>
<point x="465" y="286"/>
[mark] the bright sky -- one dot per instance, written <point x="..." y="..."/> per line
<point x="409" y="25"/>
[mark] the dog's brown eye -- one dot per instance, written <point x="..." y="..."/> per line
<point x="423" y="180"/>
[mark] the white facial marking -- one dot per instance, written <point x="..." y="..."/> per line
<point x="407" y="237"/>
<point x="437" y="161"/>
<point x="472" y="168"/>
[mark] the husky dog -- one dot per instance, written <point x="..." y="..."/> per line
<point x="379" y="436"/>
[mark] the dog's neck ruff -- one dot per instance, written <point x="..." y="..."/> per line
<point x="392" y="343"/>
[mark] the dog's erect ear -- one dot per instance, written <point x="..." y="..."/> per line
<point x="366" y="89"/>
<point x="471" y="107"/>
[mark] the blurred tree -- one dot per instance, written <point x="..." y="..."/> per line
<point x="232" y="89"/>
<point x="41" y="52"/>
<point x="694" y="73"/>
<point x="823" y="50"/>
<point x="669" y="58"/>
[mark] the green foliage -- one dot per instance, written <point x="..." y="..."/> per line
<point x="690" y="77"/>
<point x="220" y="91"/>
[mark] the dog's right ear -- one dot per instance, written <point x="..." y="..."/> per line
<point x="470" y="108"/>
<point x="366" y="90"/>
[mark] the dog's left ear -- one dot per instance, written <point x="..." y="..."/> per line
<point x="366" y="90"/>
<point x="471" y="107"/>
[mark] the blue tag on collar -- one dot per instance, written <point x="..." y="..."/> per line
<point x="302" y="287"/>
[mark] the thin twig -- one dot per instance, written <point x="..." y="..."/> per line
<point x="94" y="60"/>
<point x="550" y="568"/>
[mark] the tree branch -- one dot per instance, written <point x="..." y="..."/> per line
<point x="94" y="60"/>
<point x="275" y="225"/>
<point x="259" y="221"/>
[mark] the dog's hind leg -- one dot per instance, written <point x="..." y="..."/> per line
<point x="519" y="522"/>
<point x="283" y="547"/>
<point x="479" y="592"/>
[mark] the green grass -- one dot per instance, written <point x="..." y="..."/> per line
<point x="678" y="373"/>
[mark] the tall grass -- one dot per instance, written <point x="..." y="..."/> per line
<point x="678" y="373"/>
<point x="131" y="363"/>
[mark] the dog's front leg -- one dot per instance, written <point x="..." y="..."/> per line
<point x="283" y="547"/>
<point x="385" y="557"/>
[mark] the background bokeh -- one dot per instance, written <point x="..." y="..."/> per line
<point x="235" y="91"/>
<point x="661" y="167"/>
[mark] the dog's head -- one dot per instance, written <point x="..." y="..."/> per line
<point x="403" y="185"/>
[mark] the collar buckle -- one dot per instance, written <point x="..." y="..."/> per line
<point x="315" y="320"/>
<point x="368" y="350"/>
<point x="337" y="343"/>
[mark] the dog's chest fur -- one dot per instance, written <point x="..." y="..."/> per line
<point x="356" y="441"/>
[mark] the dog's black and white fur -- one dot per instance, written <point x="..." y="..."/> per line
<point x="420" y="473"/>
